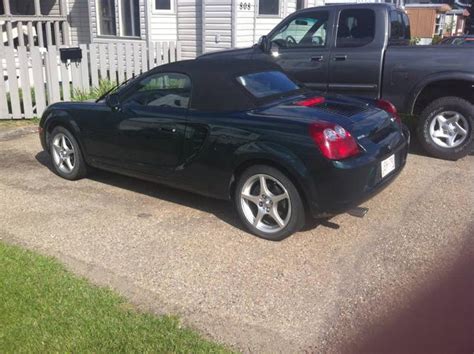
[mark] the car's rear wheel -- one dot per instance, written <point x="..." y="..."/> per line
<point x="445" y="128"/>
<point x="268" y="203"/>
<point x="66" y="154"/>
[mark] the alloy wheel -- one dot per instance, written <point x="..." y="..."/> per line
<point x="265" y="203"/>
<point x="449" y="129"/>
<point x="64" y="155"/>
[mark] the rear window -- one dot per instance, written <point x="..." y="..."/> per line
<point x="356" y="28"/>
<point x="267" y="83"/>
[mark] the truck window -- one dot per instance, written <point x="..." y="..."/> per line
<point x="399" y="31"/>
<point x="306" y="30"/>
<point x="356" y="28"/>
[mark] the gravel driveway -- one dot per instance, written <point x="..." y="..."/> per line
<point x="401" y="278"/>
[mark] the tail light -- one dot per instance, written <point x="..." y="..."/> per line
<point x="334" y="141"/>
<point x="312" y="101"/>
<point x="388" y="107"/>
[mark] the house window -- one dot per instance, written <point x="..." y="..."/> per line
<point x="130" y="18"/>
<point x="107" y="17"/>
<point x="163" y="5"/>
<point x="269" y="7"/>
<point x="299" y="4"/>
<point x="128" y="22"/>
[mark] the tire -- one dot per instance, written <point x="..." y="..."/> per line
<point x="280" y="197"/>
<point x="436" y="128"/>
<point x="66" y="155"/>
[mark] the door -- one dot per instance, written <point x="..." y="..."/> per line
<point x="300" y="45"/>
<point x="356" y="59"/>
<point x="152" y="121"/>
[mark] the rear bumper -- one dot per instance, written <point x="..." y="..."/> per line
<point x="351" y="182"/>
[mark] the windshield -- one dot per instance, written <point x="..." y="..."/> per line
<point x="267" y="83"/>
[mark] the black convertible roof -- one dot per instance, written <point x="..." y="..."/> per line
<point x="214" y="84"/>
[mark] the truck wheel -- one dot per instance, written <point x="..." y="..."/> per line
<point x="445" y="128"/>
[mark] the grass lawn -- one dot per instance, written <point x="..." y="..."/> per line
<point x="44" y="308"/>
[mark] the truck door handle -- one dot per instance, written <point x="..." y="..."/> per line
<point x="317" y="58"/>
<point x="169" y="130"/>
<point x="340" y="57"/>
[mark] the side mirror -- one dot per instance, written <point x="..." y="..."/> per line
<point x="264" y="44"/>
<point x="113" y="101"/>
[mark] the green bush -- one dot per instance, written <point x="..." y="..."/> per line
<point x="93" y="93"/>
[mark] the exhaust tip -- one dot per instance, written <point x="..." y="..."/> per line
<point x="358" y="212"/>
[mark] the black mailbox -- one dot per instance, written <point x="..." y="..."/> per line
<point x="72" y="54"/>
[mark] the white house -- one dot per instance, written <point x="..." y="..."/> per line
<point x="199" y="25"/>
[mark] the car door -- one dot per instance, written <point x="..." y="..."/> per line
<point x="152" y="122"/>
<point x="356" y="59"/>
<point x="300" y="45"/>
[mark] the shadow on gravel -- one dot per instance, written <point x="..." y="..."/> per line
<point x="222" y="209"/>
<point x="441" y="320"/>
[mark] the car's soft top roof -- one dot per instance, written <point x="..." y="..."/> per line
<point x="214" y="84"/>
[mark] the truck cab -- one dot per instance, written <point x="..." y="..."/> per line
<point x="342" y="46"/>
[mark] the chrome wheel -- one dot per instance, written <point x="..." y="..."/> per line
<point x="449" y="129"/>
<point x="265" y="203"/>
<point x="64" y="155"/>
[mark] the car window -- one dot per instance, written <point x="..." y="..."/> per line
<point x="267" y="83"/>
<point x="307" y="30"/>
<point x="162" y="90"/>
<point x="356" y="28"/>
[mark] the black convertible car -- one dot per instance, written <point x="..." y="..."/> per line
<point x="239" y="130"/>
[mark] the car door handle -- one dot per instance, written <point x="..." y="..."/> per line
<point x="340" y="57"/>
<point x="317" y="58"/>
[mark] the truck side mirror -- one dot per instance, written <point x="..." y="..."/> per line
<point x="264" y="44"/>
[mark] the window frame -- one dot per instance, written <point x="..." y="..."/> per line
<point x="336" y="32"/>
<point x="121" y="29"/>
<point x="308" y="14"/>
<point x="124" y="96"/>
<point x="99" y="19"/>
<point x="118" y="13"/>
<point x="278" y="15"/>
<point x="156" y="11"/>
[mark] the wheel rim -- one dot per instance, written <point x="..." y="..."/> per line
<point x="64" y="155"/>
<point x="449" y="129"/>
<point x="266" y="203"/>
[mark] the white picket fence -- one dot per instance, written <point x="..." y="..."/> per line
<point x="35" y="77"/>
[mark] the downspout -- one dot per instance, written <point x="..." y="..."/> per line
<point x="233" y="24"/>
<point x="203" y="27"/>
<point x="147" y="8"/>
<point x="255" y="12"/>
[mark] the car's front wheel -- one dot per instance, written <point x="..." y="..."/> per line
<point x="445" y="128"/>
<point x="66" y="154"/>
<point x="268" y="203"/>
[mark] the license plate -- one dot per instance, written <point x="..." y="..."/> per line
<point x="387" y="165"/>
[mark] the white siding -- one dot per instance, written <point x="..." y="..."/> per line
<point x="245" y="25"/>
<point x="190" y="27"/>
<point x="218" y="25"/>
<point x="314" y="3"/>
<point x="163" y="25"/>
<point x="250" y="26"/>
<point x="78" y="15"/>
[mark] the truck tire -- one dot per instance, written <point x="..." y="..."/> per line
<point x="445" y="128"/>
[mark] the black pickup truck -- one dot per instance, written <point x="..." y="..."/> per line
<point x="363" y="50"/>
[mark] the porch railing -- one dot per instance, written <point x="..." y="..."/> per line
<point x="34" y="30"/>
